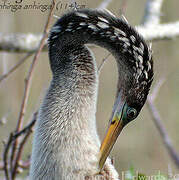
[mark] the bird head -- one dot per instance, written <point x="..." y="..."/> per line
<point x="136" y="75"/>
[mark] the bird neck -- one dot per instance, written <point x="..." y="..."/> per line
<point x="74" y="90"/>
<point x="66" y="127"/>
<point x="75" y="86"/>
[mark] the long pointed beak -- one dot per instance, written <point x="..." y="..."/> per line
<point x="115" y="127"/>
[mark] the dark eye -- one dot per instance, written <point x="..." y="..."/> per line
<point x="131" y="113"/>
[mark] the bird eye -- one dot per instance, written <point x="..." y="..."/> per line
<point x="131" y="113"/>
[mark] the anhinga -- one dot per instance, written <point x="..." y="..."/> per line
<point x="66" y="145"/>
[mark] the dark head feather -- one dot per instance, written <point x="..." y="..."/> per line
<point x="133" y="55"/>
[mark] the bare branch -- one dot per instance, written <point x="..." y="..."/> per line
<point x="19" y="42"/>
<point x="15" y="67"/>
<point x="164" y="135"/>
<point x="29" y="126"/>
<point x="28" y="131"/>
<point x="158" y="123"/>
<point x="156" y="89"/>
<point x="159" y="32"/>
<point x="102" y="63"/>
<point x="152" y="12"/>
<point x="5" y="156"/>
<point x="26" y="92"/>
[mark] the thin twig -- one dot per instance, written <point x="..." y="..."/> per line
<point x="30" y="125"/>
<point x="5" y="156"/>
<point x="166" y="139"/>
<point x="15" y="67"/>
<point x="21" y="147"/>
<point x="102" y="63"/>
<point x="27" y="89"/>
<point x="156" y="89"/>
<point x="152" y="12"/>
<point x="27" y="130"/>
<point x="158" y="123"/>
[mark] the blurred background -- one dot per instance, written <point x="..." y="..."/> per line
<point x="140" y="145"/>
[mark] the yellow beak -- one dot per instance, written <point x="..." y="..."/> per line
<point x="115" y="127"/>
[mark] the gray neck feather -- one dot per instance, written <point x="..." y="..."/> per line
<point x="65" y="138"/>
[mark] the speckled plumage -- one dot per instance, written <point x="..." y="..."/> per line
<point x="66" y="144"/>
